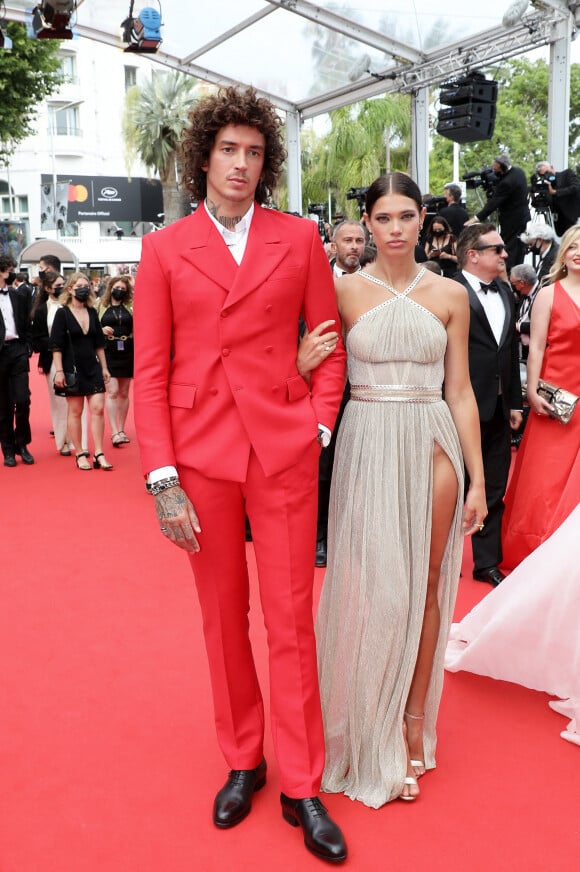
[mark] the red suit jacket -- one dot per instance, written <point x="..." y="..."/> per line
<point x="215" y="346"/>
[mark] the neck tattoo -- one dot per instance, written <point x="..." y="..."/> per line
<point x="225" y="220"/>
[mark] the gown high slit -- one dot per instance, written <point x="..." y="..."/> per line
<point x="372" y="603"/>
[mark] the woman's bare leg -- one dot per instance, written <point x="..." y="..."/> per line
<point x="444" y="501"/>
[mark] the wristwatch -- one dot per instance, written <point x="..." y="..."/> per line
<point x="323" y="438"/>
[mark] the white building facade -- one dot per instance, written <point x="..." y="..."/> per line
<point x="98" y="208"/>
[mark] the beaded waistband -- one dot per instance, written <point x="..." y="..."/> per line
<point x="395" y="393"/>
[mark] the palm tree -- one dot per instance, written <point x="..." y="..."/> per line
<point x="154" y="118"/>
<point x="364" y="141"/>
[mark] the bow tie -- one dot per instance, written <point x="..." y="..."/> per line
<point x="3" y="290"/>
<point x="491" y="287"/>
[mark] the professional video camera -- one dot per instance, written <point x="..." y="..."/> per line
<point x="359" y="195"/>
<point x="485" y="178"/>
<point x="539" y="193"/>
<point x="434" y="204"/>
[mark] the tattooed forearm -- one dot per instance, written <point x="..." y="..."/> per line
<point x="170" y="503"/>
<point x="228" y="223"/>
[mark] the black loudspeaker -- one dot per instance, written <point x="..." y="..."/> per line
<point x="471" y="113"/>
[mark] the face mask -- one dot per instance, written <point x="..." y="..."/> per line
<point x="57" y="291"/>
<point x="42" y="274"/>
<point x="536" y="248"/>
<point x="82" y="294"/>
<point x="10" y="278"/>
<point x="117" y="294"/>
<point x="438" y="233"/>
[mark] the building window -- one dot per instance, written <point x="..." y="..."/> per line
<point x="130" y="77"/>
<point x="15" y="204"/>
<point x="68" y="66"/>
<point x="64" y="120"/>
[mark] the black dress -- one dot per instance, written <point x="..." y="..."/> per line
<point x="448" y="266"/>
<point x="119" y="347"/>
<point x="84" y="347"/>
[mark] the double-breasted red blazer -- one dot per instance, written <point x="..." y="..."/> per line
<point x="216" y="343"/>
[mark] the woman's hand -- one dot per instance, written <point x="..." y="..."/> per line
<point x="178" y="519"/>
<point x="315" y="347"/>
<point x="106" y="375"/>
<point x="474" y="510"/>
<point x="108" y="331"/>
<point x="59" y="379"/>
<point x="538" y="404"/>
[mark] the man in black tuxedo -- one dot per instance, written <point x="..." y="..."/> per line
<point x="564" y="192"/>
<point x="15" y="348"/>
<point x="510" y="198"/>
<point x="494" y="372"/>
<point x="453" y="212"/>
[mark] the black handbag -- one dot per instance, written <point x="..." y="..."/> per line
<point x="71" y="378"/>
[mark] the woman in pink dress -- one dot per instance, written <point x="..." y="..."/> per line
<point x="545" y="486"/>
<point x="527" y="629"/>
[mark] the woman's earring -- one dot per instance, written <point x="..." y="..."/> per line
<point x="565" y="270"/>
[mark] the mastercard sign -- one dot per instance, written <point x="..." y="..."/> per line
<point x="77" y="194"/>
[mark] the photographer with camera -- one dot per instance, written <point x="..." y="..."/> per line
<point x="510" y="198"/>
<point x="562" y="192"/>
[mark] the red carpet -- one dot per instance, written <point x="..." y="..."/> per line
<point x="108" y="758"/>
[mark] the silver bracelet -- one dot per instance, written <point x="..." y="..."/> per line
<point x="163" y="484"/>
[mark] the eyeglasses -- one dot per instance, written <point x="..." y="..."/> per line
<point x="498" y="248"/>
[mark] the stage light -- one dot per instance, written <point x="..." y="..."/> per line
<point x="143" y="32"/>
<point x="51" y="19"/>
<point x="5" y="41"/>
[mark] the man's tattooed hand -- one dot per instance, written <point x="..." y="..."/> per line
<point x="178" y="520"/>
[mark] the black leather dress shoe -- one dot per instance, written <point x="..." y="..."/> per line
<point x="9" y="459"/>
<point x="493" y="576"/>
<point x="321" y="835"/>
<point x="25" y="454"/>
<point x="234" y="800"/>
<point x="320" y="559"/>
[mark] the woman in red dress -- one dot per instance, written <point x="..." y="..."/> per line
<point x="545" y="486"/>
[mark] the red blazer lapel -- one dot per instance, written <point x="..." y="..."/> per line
<point x="204" y="249"/>
<point x="264" y="252"/>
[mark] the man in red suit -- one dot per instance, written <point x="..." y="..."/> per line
<point x="226" y="425"/>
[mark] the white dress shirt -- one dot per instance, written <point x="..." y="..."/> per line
<point x="8" y="315"/>
<point x="492" y="303"/>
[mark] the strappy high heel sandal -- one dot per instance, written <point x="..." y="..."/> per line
<point x="418" y="765"/>
<point x="124" y="437"/>
<point x="85" y="465"/>
<point x="117" y="440"/>
<point x="101" y="462"/>
<point x="411" y="781"/>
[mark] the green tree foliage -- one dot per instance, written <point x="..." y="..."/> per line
<point x="153" y="122"/>
<point x="363" y="140"/>
<point x="28" y="74"/>
<point x="521" y="125"/>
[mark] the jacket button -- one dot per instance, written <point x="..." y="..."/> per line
<point x="213" y="391"/>
<point x="269" y="308"/>
<point x="224" y="314"/>
<point x="269" y="349"/>
<point x="275" y="388"/>
<point x="225" y="352"/>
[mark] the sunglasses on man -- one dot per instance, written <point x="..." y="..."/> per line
<point x="499" y="248"/>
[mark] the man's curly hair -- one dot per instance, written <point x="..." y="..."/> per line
<point x="231" y="106"/>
